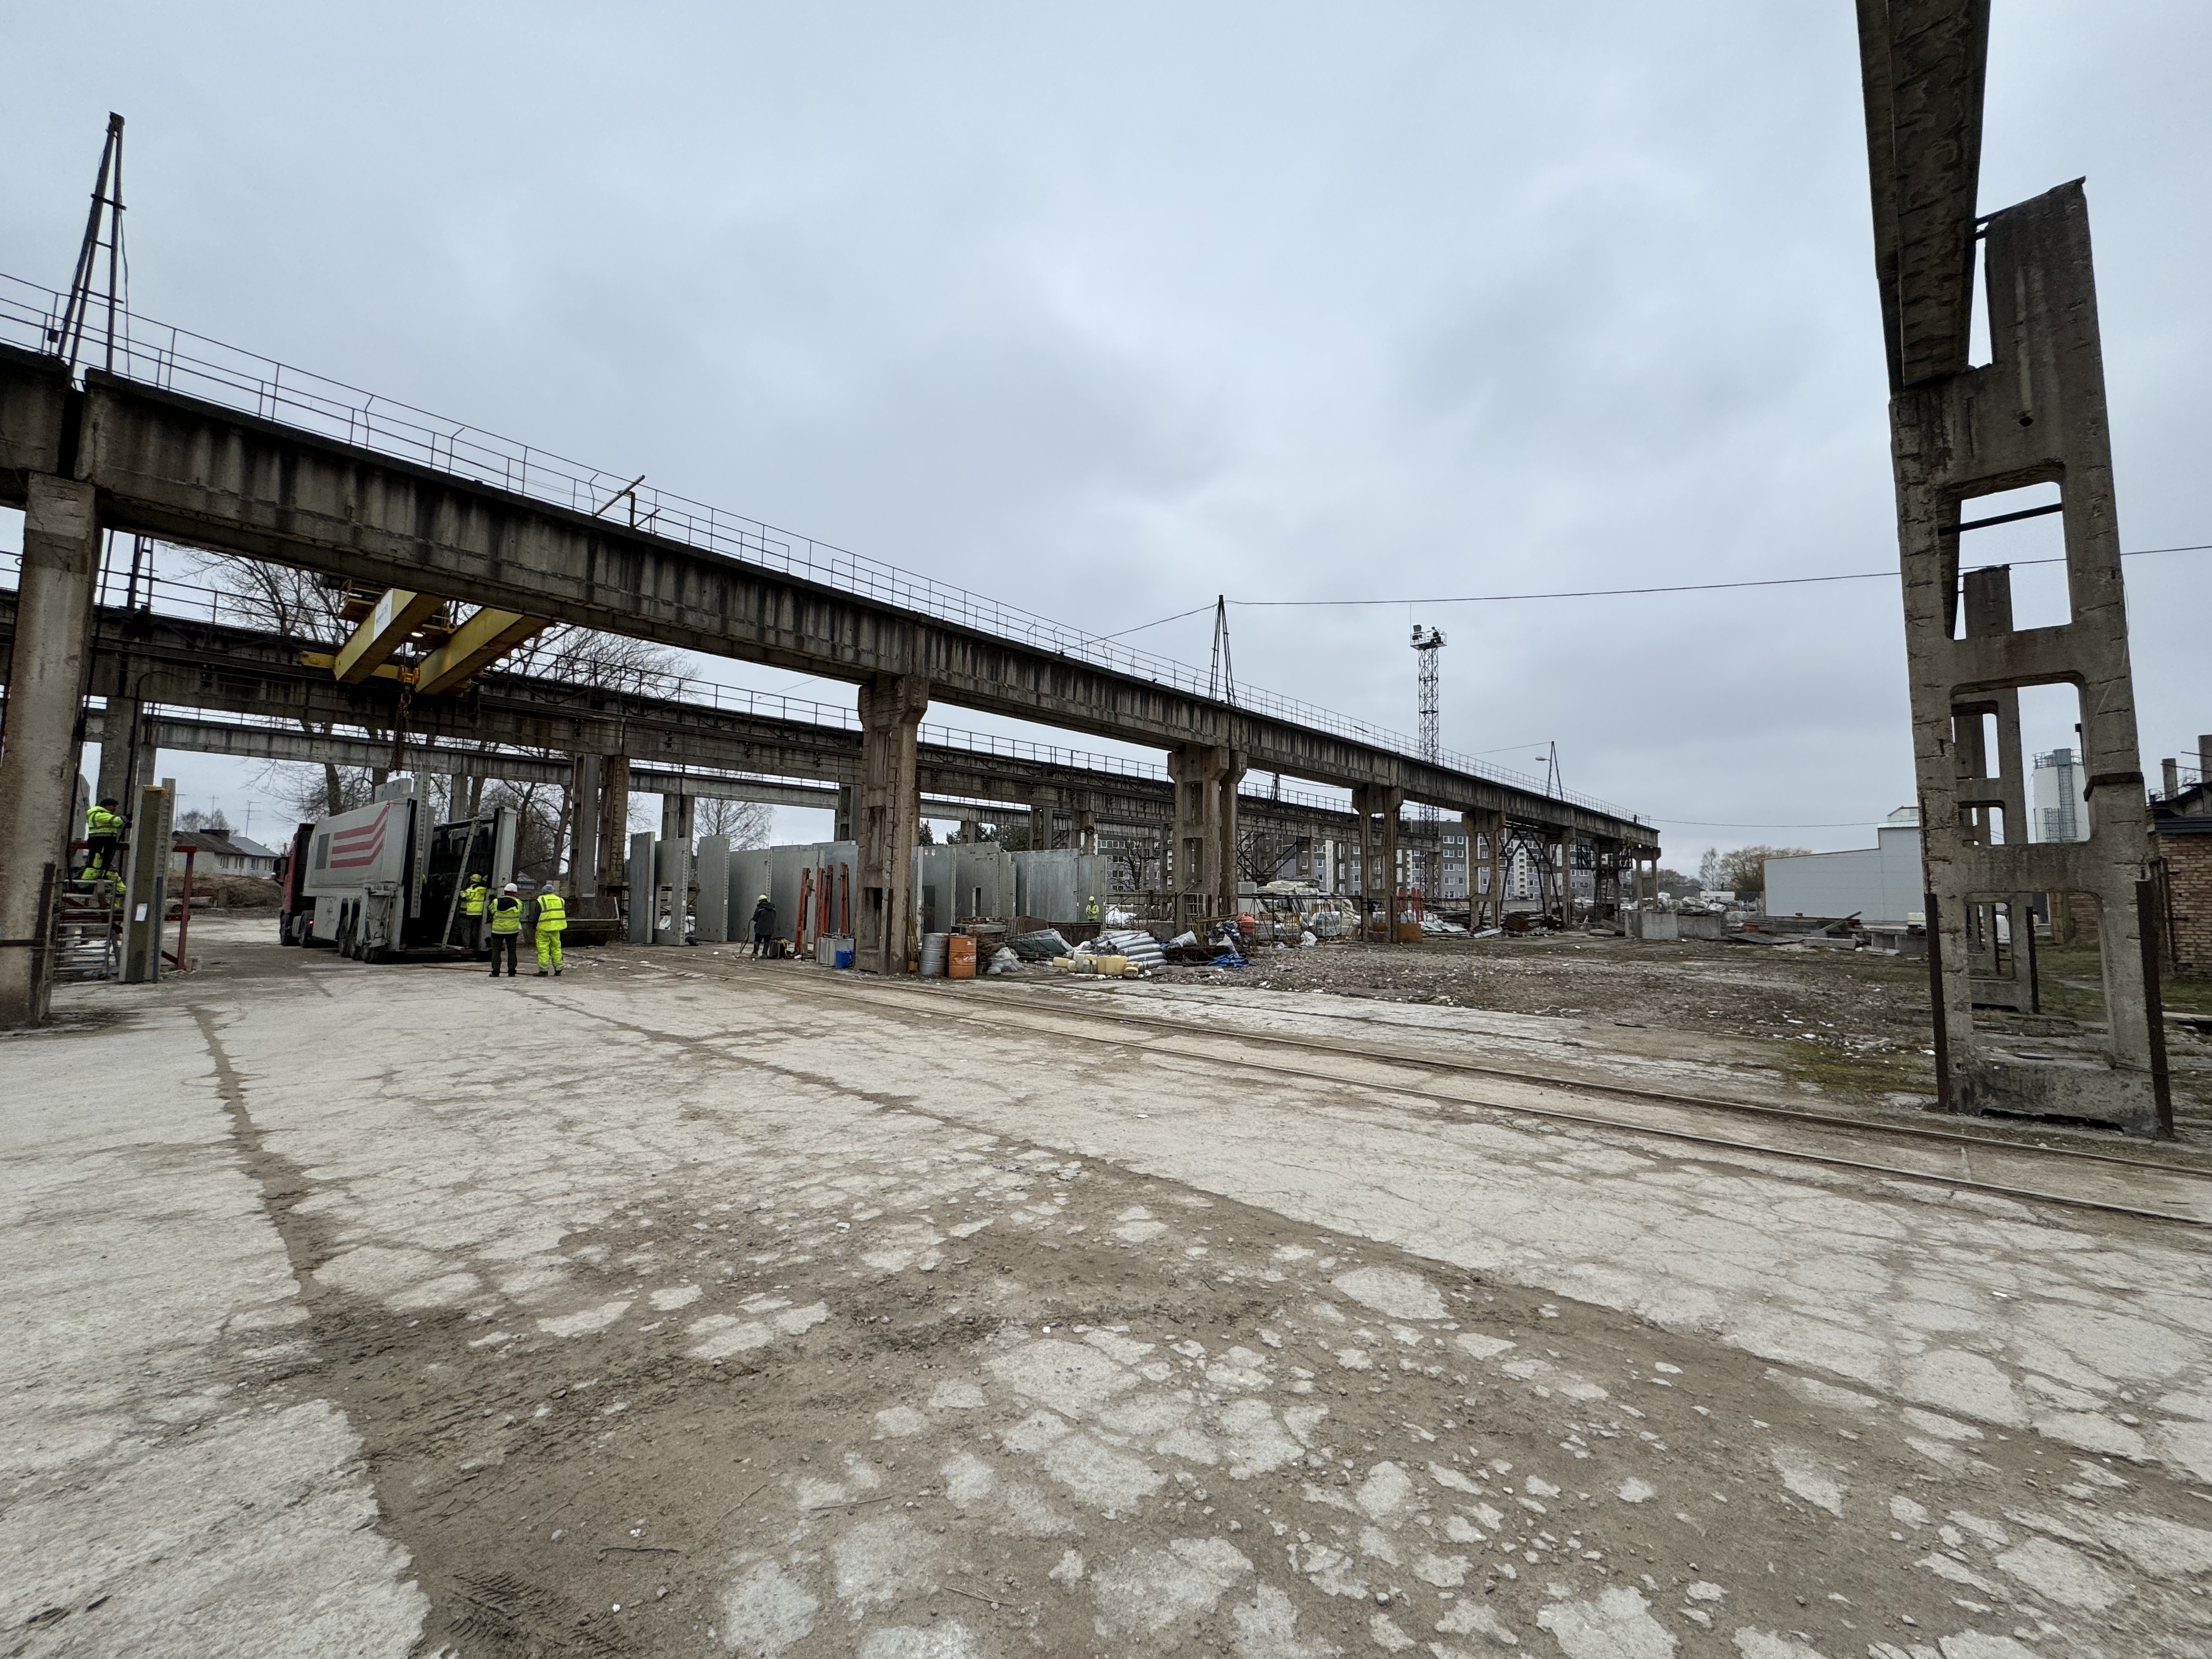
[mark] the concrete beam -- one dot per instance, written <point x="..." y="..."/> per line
<point x="242" y="672"/>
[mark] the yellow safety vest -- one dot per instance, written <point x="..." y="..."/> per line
<point x="506" y="914"/>
<point x="101" y="821"/>
<point x="552" y="915"/>
<point x="472" y="898"/>
<point x="1090" y="909"/>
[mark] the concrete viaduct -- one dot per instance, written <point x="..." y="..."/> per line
<point x="647" y="743"/>
<point x="113" y="453"/>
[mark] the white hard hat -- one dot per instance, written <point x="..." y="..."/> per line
<point x="511" y="888"/>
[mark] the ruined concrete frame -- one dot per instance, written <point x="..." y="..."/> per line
<point x="2036" y="414"/>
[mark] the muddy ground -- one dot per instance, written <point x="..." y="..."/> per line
<point x="1855" y="1023"/>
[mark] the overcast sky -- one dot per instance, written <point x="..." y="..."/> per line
<point x="1104" y="313"/>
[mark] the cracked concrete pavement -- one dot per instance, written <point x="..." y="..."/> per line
<point x="689" y="1306"/>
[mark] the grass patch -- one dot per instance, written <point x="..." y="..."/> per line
<point x="2182" y="993"/>
<point x="1848" y="1077"/>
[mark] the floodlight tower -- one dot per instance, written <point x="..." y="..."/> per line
<point x="1427" y="642"/>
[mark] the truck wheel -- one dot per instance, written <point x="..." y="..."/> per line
<point x="287" y="928"/>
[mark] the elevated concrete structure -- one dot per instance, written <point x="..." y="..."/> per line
<point x="197" y="472"/>
<point x="207" y="476"/>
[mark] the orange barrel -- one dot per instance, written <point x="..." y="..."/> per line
<point x="960" y="957"/>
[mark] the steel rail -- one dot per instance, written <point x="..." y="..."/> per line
<point x="1823" y="1120"/>
<point x="915" y="996"/>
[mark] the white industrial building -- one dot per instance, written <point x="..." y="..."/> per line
<point x="2055" y="791"/>
<point x="1880" y="885"/>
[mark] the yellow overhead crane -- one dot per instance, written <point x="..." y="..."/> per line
<point x="450" y="654"/>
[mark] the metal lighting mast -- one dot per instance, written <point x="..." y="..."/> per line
<point x="66" y="336"/>
<point x="1426" y="643"/>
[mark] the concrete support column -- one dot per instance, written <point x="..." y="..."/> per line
<point x="1086" y="830"/>
<point x="584" y="815"/>
<point x="890" y="822"/>
<point x="679" y="816"/>
<point x="614" y="823"/>
<point x="848" y="803"/>
<point x="1605" y="891"/>
<point x="1485" y="876"/>
<point x="39" y="748"/>
<point x="1376" y="809"/>
<point x="1203" y="852"/>
<point x="672" y="875"/>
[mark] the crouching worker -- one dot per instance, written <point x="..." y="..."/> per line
<point x="549" y="923"/>
<point x="506" y="926"/>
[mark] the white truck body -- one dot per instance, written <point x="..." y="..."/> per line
<point x="383" y="879"/>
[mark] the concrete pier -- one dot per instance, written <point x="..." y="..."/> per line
<point x="891" y="707"/>
<point x="1204" y="850"/>
<point x="38" y="746"/>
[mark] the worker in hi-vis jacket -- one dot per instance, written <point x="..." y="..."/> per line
<point x="549" y="923"/>
<point x="103" y="833"/>
<point x="506" y="925"/>
<point x="474" y="897"/>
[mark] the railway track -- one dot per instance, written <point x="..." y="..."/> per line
<point x="2017" y="1170"/>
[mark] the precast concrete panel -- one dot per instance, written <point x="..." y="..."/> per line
<point x="935" y="872"/>
<point x="748" y="878"/>
<point x="784" y="865"/>
<point x="644" y="903"/>
<point x="1056" y="885"/>
<point x="983" y="884"/>
<point x="713" y="904"/>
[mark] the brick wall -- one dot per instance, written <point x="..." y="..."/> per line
<point x="2189" y="900"/>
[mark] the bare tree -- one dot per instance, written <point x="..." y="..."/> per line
<point x="309" y="607"/>
<point x="1743" y="872"/>
<point x="746" y="822"/>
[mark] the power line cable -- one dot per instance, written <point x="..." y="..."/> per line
<point x="1678" y="587"/>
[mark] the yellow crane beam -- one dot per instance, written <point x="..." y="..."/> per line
<point x="477" y="644"/>
<point x="398" y="614"/>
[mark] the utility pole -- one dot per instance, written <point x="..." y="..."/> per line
<point x="1221" y="678"/>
